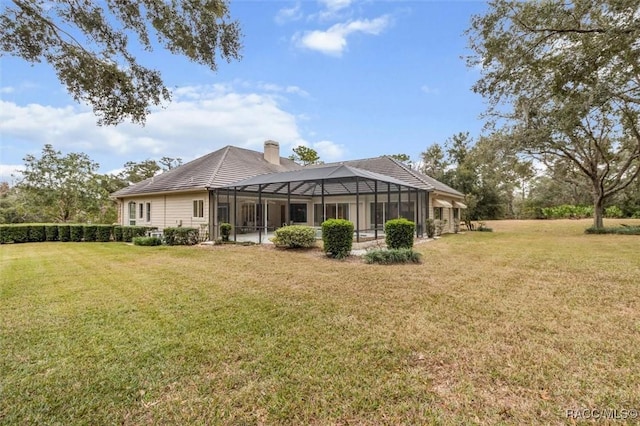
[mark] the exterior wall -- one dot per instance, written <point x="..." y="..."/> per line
<point x="447" y="213"/>
<point x="167" y="210"/>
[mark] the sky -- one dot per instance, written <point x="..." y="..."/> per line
<point x="348" y="78"/>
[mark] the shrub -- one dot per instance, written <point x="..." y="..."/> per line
<point x="431" y="228"/>
<point x="399" y="233"/>
<point x="567" y="211"/>
<point x="295" y="236"/>
<point x="391" y="256"/>
<point x="613" y="212"/>
<point x="103" y="233"/>
<point x="225" y="230"/>
<point x="51" y="232"/>
<point x="482" y="227"/>
<point x="129" y="232"/>
<point x="147" y="241"/>
<point x="117" y="233"/>
<point x="337" y="236"/>
<point x="4" y="234"/>
<point x="90" y="233"/>
<point x="36" y="233"/>
<point x="622" y="230"/>
<point x="64" y="233"/>
<point x="77" y="232"/>
<point x="181" y="236"/>
<point x="16" y="233"/>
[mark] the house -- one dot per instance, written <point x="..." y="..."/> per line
<point x="258" y="192"/>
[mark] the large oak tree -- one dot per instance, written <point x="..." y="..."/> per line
<point x="563" y="78"/>
<point x="88" y="45"/>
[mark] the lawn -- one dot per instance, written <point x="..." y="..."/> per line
<point x="515" y="327"/>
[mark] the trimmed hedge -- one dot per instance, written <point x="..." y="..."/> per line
<point x="180" y="236"/>
<point x="103" y="233"/>
<point x="76" y="234"/>
<point x="392" y="256"/>
<point x="36" y="233"/>
<point x="399" y="233"/>
<point x="51" y="232"/>
<point x="147" y="241"/>
<point x="117" y="233"/>
<point x="90" y="233"/>
<point x="15" y="234"/>
<point x="337" y="236"/>
<point x="130" y="232"/>
<point x="295" y="236"/>
<point x="64" y="233"/>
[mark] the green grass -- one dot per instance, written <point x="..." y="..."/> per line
<point x="514" y="327"/>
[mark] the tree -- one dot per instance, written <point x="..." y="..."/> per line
<point x="562" y="78"/>
<point x="403" y="158"/>
<point x="87" y="43"/>
<point x="135" y="172"/>
<point x="434" y="163"/>
<point x="60" y="188"/>
<point x="305" y="155"/>
<point x="168" y="163"/>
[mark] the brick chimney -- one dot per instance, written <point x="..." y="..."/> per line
<point x="272" y="152"/>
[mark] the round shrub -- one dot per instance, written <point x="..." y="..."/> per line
<point x="295" y="236"/>
<point x="51" y="232"/>
<point x="76" y="233"/>
<point x="90" y="233"/>
<point x="64" y="233"/>
<point x="337" y="236"/>
<point x="225" y="231"/>
<point x="399" y="233"/>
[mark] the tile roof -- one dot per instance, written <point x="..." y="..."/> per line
<point x="214" y="170"/>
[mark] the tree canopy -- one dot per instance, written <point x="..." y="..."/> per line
<point x="563" y="80"/>
<point x="305" y="155"/>
<point x="88" y="45"/>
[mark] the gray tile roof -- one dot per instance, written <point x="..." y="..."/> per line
<point x="214" y="170"/>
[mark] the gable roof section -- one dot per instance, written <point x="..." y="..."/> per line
<point x="214" y="170"/>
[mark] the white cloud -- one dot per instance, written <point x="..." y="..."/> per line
<point x="334" y="40"/>
<point x="429" y="90"/>
<point x="289" y="14"/>
<point x="333" y="8"/>
<point x="7" y="89"/>
<point x="10" y="172"/>
<point x="329" y="151"/>
<point x="199" y="120"/>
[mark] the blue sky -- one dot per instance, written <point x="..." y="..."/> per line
<point x="349" y="78"/>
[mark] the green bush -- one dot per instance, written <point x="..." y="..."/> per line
<point x="15" y="233"/>
<point x="51" y="232"/>
<point x="64" y="233"/>
<point x="568" y="211"/>
<point x="622" y="230"/>
<point x="337" y="236"/>
<point x="36" y="233"/>
<point x="130" y="232"/>
<point x="430" y="228"/>
<point x="295" y="236"/>
<point x="89" y="234"/>
<point x="77" y="232"/>
<point x="225" y="231"/>
<point x="613" y="212"/>
<point x="103" y="233"/>
<point x="180" y="236"/>
<point x="147" y="241"/>
<point x="4" y="234"/>
<point x="117" y="233"/>
<point x="391" y="256"/>
<point x="399" y="233"/>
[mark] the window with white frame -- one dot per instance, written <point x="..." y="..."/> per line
<point x="198" y="208"/>
<point x="132" y="213"/>
<point x="331" y="211"/>
<point x="141" y="209"/>
<point x="148" y="212"/>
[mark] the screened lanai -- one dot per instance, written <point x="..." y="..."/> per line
<point x="311" y="195"/>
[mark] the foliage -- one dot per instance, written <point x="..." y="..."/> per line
<point x="482" y="227"/>
<point x="147" y="241"/>
<point x="391" y="256"/>
<point x="14" y="233"/>
<point x="399" y="233"/>
<point x="621" y="230"/>
<point x="76" y="232"/>
<point x="561" y="78"/>
<point x="613" y="212"/>
<point x="90" y="232"/>
<point x="36" y="233"/>
<point x="51" y="232"/>
<point x="117" y="233"/>
<point x="180" y="236"/>
<point x="225" y="230"/>
<point x="129" y="232"/>
<point x="337" y="237"/>
<point x="295" y="236"/>
<point x="567" y="211"/>
<point x="103" y="233"/>
<point x="88" y="46"/>
<point x="403" y="158"/>
<point x="64" y="233"/>
<point x="305" y="155"/>
<point x="430" y="225"/>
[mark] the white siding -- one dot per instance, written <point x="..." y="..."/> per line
<point x="168" y="210"/>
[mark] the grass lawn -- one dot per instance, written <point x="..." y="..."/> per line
<point x="515" y="327"/>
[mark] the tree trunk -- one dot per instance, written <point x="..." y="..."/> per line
<point x="598" y="211"/>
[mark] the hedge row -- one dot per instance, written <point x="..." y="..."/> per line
<point x="622" y="230"/>
<point x="181" y="236"/>
<point x="25" y="233"/>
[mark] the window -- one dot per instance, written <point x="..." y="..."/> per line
<point x="223" y="212"/>
<point x="141" y="211"/>
<point x="148" y="212"/>
<point x="198" y="208"/>
<point x="437" y="213"/>
<point x="132" y="213"/>
<point x="331" y="211"/>
<point x="298" y="213"/>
